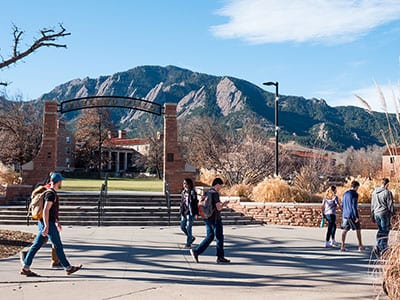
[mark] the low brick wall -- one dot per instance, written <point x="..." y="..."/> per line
<point x="15" y="192"/>
<point x="293" y="214"/>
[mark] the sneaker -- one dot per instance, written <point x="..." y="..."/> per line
<point x="188" y="245"/>
<point x="28" y="273"/>
<point x="334" y="243"/>
<point x="327" y="245"/>
<point x="22" y="256"/>
<point x="343" y="249"/>
<point x="73" y="269"/>
<point x="194" y="255"/>
<point x="221" y="260"/>
<point x="362" y="248"/>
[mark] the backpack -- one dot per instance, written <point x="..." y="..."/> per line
<point x="206" y="207"/>
<point x="35" y="209"/>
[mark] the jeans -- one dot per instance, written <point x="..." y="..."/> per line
<point x="213" y="229"/>
<point x="186" y="227"/>
<point x="55" y="239"/>
<point x="382" y="235"/>
<point x="331" y="227"/>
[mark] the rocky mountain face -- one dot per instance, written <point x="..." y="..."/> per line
<point x="310" y="122"/>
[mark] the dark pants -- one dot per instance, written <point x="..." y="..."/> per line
<point x="331" y="227"/>
<point x="213" y="229"/>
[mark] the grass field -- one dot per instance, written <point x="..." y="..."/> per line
<point x="114" y="184"/>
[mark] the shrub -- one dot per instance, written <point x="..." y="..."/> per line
<point x="391" y="267"/>
<point x="241" y="190"/>
<point x="278" y="190"/>
<point x="7" y="176"/>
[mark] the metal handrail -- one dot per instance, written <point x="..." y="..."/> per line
<point x="102" y="200"/>
<point x="168" y="201"/>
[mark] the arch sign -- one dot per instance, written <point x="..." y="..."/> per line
<point x="110" y="101"/>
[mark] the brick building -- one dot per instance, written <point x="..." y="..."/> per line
<point x="391" y="162"/>
<point x="65" y="148"/>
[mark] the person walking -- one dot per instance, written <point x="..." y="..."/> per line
<point x="350" y="215"/>
<point x="382" y="209"/>
<point x="49" y="227"/>
<point x="329" y="205"/>
<point x="189" y="210"/>
<point x="214" y="228"/>
<point x="55" y="262"/>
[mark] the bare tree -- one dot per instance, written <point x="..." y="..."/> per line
<point x="93" y="128"/>
<point x="48" y="38"/>
<point x="20" y="132"/>
<point x="153" y="161"/>
<point x="366" y="162"/>
<point x="240" y="156"/>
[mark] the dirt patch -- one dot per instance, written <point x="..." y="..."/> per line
<point x="11" y="242"/>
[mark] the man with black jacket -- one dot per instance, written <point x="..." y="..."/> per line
<point x="213" y="226"/>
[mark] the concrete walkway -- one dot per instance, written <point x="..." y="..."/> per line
<point x="268" y="262"/>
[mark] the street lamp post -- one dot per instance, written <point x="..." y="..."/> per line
<point x="276" y="84"/>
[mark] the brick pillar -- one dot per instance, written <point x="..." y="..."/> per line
<point x="37" y="170"/>
<point x="175" y="167"/>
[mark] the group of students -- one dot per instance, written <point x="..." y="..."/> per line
<point x="382" y="209"/>
<point x="189" y="212"/>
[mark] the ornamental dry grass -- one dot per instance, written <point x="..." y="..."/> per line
<point x="275" y="189"/>
<point x="7" y="176"/>
<point x="391" y="267"/>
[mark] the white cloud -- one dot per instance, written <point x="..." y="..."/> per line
<point x="371" y="94"/>
<point x="328" y="21"/>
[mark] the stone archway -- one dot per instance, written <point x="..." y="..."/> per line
<point x="175" y="167"/>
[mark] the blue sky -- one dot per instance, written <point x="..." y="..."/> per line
<point x="329" y="49"/>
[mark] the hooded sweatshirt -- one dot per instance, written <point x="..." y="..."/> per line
<point x="382" y="202"/>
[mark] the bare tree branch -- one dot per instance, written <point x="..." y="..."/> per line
<point x="48" y="38"/>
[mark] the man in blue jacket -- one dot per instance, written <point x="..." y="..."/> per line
<point x="350" y="215"/>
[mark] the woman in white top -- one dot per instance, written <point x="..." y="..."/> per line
<point x="329" y="205"/>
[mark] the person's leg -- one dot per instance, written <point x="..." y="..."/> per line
<point x="344" y="233"/>
<point x="219" y="238"/>
<point x="183" y="224"/>
<point x="345" y="228"/>
<point x="382" y="235"/>
<point x="55" y="262"/>
<point x="208" y="239"/>
<point x="360" y="244"/>
<point x="55" y="239"/>
<point x="36" y="245"/>
<point x="329" y="230"/>
<point x="189" y="238"/>
<point x="333" y="233"/>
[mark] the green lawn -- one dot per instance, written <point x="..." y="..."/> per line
<point x="114" y="184"/>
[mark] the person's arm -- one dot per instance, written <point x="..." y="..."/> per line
<point x="390" y="204"/>
<point x="46" y="214"/>
<point x="355" y="209"/>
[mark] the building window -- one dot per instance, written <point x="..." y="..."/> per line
<point x="68" y="150"/>
<point x="392" y="159"/>
<point x="68" y="139"/>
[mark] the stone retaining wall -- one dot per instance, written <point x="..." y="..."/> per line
<point x="293" y="214"/>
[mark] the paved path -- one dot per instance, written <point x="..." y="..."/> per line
<point x="268" y="262"/>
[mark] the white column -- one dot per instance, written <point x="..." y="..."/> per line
<point x="125" y="161"/>
<point x="109" y="160"/>
<point x="117" y="163"/>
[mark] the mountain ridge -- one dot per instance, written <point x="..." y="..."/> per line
<point x="309" y="122"/>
